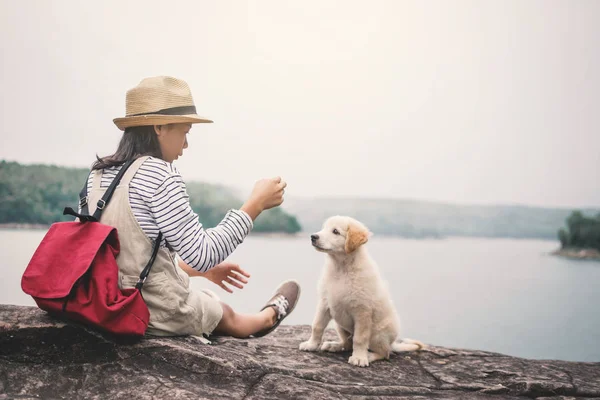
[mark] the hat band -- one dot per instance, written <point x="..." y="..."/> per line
<point x="183" y="110"/>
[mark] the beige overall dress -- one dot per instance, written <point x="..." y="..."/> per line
<point x="174" y="308"/>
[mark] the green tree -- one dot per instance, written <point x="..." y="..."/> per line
<point x="563" y="236"/>
<point x="583" y="232"/>
<point x="37" y="194"/>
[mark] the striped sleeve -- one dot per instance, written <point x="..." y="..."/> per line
<point x="200" y="248"/>
<point x="88" y="188"/>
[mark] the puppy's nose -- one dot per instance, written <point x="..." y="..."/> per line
<point x="314" y="238"/>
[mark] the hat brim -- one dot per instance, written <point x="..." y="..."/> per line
<point x="158" y="119"/>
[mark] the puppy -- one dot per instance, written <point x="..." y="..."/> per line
<point x="352" y="293"/>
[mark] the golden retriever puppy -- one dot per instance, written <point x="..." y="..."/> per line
<point x="352" y="293"/>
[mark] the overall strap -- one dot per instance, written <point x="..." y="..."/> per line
<point x="133" y="170"/>
<point x="84" y="216"/>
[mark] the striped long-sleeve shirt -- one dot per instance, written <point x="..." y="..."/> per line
<point x="159" y="201"/>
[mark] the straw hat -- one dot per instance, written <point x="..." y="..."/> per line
<point x="159" y="100"/>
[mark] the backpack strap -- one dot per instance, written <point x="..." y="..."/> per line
<point x="148" y="266"/>
<point x="102" y="203"/>
<point x="84" y="216"/>
<point x="111" y="189"/>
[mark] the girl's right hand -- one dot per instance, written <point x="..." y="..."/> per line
<point x="267" y="193"/>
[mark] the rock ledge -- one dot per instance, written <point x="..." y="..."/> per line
<point x="41" y="357"/>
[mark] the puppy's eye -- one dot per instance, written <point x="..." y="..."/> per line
<point x="336" y="232"/>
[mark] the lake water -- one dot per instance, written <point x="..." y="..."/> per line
<point x="502" y="295"/>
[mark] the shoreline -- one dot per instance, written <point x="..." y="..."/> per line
<point x="17" y="226"/>
<point x="14" y="226"/>
<point x="578" y="254"/>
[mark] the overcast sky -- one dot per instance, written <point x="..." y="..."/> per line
<point x="458" y="101"/>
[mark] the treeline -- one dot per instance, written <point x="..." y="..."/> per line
<point x="421" y="219"/>
<point x="37" y="194"/>
<point x="582" y="232"/>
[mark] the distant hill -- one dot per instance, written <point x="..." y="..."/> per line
<point x="37" y="194"/>
<point x="411" y="218"/>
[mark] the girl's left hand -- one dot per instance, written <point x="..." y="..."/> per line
<point x="227" y="272"/>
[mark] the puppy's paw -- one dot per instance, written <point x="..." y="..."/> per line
<point x="309" y="346"/>
<point x="360" y="361"/>
<point x="333" y="347"/>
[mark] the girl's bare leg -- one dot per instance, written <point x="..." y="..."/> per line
<point x="244" y="325"/>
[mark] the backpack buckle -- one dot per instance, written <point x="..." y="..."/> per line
<point x="140" y="283"/>
<point x="83" y="201"/>
<point x="101" y="204"/>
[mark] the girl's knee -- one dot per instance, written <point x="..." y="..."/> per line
<point x="228" y="313"/>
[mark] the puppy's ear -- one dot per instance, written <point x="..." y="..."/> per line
<point x="357" y="235"/>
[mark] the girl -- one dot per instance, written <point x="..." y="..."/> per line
<point x="152" y="198"/>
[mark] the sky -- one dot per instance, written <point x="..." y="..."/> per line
<point x="467" y="102"/>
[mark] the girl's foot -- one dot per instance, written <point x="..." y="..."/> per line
<point x="283" y="302"/>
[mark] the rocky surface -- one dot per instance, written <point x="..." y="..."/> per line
<point x="41" y="357"/>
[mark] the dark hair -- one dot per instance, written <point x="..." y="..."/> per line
<point x="137" y="141"/>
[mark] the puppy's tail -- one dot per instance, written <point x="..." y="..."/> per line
<point x="408" y="345"/>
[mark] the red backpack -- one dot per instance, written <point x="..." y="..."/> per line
<point x="74" y="273"/>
